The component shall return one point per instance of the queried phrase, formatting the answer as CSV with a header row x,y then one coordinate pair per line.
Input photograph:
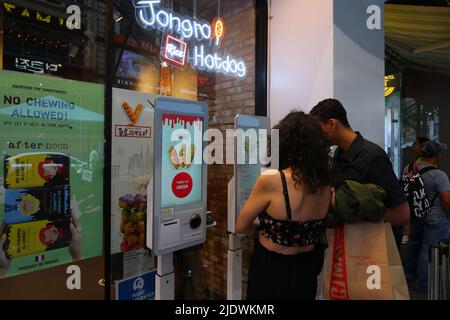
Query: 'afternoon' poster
x,y
51,171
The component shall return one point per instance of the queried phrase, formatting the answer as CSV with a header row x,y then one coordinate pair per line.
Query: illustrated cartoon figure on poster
x,y
36,170
48,169
52,172
28,205
54,235
32,204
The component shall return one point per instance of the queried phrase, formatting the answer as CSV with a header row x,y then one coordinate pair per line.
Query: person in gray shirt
x,y
435,226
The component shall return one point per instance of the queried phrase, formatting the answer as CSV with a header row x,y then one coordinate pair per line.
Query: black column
x,y
261,35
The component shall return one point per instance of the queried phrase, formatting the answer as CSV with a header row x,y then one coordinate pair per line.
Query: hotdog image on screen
x,y
173,154
181,159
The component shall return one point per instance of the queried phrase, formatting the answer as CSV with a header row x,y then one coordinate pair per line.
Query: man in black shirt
x,y
360,160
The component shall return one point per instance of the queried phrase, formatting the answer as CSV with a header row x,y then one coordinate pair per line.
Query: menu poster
x,y
51,172
181,160
132,165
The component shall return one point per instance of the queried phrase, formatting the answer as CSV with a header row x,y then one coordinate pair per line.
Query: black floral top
x,y
290,233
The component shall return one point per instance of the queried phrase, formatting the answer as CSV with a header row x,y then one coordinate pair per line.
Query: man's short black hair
x,y
422,140
330,109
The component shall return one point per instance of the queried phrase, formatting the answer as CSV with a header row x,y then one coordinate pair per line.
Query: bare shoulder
x,y
268,180
270,172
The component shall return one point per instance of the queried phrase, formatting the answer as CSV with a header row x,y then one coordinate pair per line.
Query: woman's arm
x,y
256,203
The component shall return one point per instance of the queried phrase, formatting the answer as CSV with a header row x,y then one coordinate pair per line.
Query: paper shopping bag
x,y
357,264
398,280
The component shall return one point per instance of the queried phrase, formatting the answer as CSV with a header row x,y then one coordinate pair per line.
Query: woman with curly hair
x,y
291,205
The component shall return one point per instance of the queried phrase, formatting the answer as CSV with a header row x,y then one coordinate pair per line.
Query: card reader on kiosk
x,y
177,207
239,189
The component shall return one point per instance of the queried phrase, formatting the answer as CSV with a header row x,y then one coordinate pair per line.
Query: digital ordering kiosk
x,y
247,169
177,203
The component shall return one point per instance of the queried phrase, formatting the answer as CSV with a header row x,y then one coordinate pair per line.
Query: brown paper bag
x,y
398,280
362,263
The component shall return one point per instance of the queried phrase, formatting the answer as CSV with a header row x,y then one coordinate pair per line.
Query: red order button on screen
x,y
182,185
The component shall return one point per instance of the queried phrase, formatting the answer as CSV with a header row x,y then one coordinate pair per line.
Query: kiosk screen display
x,y
181,175
248,171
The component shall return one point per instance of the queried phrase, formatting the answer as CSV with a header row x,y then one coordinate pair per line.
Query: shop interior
x,y
417,78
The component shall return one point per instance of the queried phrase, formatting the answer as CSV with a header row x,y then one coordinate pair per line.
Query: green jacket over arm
x,y
357,202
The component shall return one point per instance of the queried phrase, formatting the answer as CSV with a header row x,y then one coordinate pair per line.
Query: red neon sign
x,y
175,51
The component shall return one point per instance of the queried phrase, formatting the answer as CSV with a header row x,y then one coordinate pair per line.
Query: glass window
x,y
52,148
55,61
198,50
422,110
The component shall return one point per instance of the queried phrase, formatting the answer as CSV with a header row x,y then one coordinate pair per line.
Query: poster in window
x,y
132,167
51,172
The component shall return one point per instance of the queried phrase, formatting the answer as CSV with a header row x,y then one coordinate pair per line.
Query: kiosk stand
x,y
165,278
176,216
234,263
239,189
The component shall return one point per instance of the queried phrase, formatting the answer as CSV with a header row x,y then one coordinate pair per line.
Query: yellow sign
x,y
25,13
33,14
9,7
27,238
36,170
389,85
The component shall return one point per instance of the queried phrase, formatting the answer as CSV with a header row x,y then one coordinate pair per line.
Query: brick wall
x,y
228,96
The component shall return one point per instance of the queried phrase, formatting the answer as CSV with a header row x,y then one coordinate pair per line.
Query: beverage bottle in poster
x,y
165,81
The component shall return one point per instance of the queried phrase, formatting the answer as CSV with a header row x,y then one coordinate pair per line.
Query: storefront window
x,y
41,37
197,50
52,148
392,92
421,111
73,70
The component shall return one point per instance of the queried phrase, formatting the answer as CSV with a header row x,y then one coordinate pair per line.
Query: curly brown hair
x,y
304,148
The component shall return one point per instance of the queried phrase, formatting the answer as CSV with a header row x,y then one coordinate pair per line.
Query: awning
x,y
420,34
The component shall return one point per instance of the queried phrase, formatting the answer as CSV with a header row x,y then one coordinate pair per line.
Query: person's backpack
x,y
414,188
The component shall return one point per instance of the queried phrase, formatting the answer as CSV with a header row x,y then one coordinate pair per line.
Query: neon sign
x,y
150,15
35,66
218,29
217,63
175,51
389,85
164,20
